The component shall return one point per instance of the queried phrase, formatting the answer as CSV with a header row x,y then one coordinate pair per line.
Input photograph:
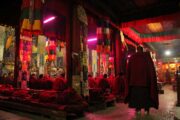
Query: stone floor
x,y
167,111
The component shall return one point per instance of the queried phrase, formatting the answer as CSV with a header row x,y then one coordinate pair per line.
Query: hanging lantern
x,y
106,38
103,37
99,33
51,51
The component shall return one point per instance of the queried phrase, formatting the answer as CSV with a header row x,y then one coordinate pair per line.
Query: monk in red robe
x,y
60,83
141,86
104,84
91,82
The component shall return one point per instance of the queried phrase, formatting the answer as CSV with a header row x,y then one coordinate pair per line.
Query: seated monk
x,y
33,81
91,82
104,84
60,83
111,81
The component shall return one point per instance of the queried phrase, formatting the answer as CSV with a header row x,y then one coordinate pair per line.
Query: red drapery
x,y
134,36
150,20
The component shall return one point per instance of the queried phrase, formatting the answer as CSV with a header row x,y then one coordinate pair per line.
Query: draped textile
x,y
104,84
92,83
137,70
31,16
41,44
141,72
2,40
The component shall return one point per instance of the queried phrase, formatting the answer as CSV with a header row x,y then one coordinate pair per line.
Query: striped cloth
x,y
31,16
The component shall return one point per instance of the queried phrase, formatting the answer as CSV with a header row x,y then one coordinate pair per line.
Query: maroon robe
x,y
59,84
141,72
104,84
92,82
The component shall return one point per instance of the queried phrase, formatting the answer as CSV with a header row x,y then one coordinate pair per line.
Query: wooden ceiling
x,y
10,12
128,10
119,12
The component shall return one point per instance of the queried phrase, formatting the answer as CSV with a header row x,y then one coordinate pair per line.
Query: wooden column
x,y
76,53
69,46
16,66
118,52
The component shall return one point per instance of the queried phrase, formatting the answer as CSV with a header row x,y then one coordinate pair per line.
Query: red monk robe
x,y
141,84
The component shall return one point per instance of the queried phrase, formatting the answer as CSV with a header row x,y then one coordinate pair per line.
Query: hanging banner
x,y
81,13
94,62
123,40
80,81
103,37
2,38
41,44
25,48
84,61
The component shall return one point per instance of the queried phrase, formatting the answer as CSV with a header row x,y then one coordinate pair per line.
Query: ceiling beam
x,y
161,8
98,15
104,9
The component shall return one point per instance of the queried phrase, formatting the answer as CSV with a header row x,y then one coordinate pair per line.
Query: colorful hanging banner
x,y
81,13
94,62
41,44
103,37
123,40
31,16
2,38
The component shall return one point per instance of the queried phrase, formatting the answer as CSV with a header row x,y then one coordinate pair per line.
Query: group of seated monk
x,y
111,84
45,82
7,78
101,83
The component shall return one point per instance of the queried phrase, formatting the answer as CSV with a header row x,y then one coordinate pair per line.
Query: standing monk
x,y
178,85
141,86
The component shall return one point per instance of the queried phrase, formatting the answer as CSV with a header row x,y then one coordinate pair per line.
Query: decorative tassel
x,y
37,25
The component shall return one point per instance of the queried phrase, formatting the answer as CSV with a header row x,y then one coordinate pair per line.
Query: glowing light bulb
x,y
167,53
49,19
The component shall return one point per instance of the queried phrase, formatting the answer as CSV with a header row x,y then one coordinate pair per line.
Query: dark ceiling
x,y
128,10
119,12
10,12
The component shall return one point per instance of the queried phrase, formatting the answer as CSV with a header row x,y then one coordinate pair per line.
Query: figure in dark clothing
x,y
168,76
24,80
177,76
60,83
10,78
41,76
178,85
141,86
91,82
33,81
104,84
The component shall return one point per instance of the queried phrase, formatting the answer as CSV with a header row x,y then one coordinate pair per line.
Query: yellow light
x,y
172,65
155,27
167,66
